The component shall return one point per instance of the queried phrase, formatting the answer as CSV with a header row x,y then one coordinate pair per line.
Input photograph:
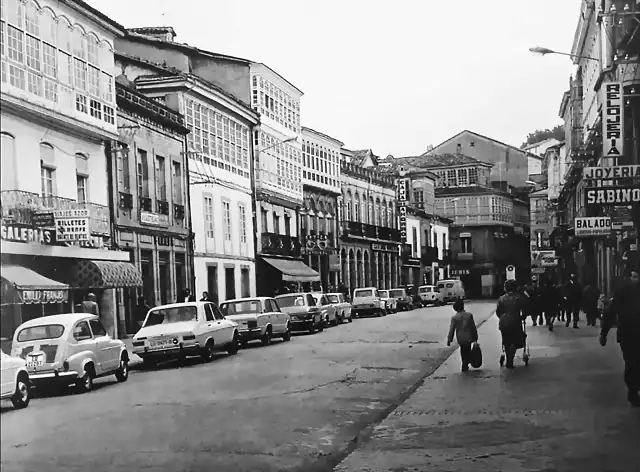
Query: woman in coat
x,y
509,312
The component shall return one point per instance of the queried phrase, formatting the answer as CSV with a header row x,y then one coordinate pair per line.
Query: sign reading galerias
x,y
612,119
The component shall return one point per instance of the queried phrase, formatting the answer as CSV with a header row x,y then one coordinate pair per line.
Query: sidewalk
x,y
134,360
566,412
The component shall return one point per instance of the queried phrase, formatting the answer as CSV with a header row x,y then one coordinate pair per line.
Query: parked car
x,y
403,299
367,301
257,318
390,303
343,307
303,311
179,330
451,290
71,348
329,312
430,295
14,381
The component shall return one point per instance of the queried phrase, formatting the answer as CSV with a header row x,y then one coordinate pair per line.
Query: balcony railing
x,y
280,244
20,206
317,241
364,230
429,254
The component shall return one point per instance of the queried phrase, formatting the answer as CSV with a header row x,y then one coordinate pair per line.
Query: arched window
x,y
356,208
371,222
377,221
391,215
383,221
82,177
9,167
348,204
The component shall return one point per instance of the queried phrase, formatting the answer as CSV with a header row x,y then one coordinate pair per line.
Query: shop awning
x,y
293,270
104,274
30,287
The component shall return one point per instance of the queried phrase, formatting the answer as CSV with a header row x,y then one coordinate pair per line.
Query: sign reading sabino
x,y
612,196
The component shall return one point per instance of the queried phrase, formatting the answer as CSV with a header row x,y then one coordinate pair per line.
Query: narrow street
x,y
291,406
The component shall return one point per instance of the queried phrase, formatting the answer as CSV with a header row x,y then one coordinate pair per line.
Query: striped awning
x,y
104,274
293,270
30,287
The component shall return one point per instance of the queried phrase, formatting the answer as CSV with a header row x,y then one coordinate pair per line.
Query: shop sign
x,y
154,219
384,247
72,225
612,119
164,240
334,263
403,190
611,173
22,233
94,242
459,272
544,259
412,261
44,296
627,195
43,220
592,226
538,270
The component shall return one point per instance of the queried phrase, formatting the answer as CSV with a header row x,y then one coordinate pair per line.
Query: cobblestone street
x,y
566,412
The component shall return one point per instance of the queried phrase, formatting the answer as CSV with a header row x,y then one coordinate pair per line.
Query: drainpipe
x,y
110,149
187,216
254,207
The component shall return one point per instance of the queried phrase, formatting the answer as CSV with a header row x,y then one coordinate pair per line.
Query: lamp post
x,y
544,51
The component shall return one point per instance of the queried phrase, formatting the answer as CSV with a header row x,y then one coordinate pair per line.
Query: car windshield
x,y
384,293
333,298
398,292
171,315
364,293
425,289
241,308
34,333
294,300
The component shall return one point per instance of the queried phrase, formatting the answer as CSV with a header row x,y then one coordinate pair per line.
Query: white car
x,y
14,381
257,318
390,303
70,348
367,301
430,295
185,329
343,307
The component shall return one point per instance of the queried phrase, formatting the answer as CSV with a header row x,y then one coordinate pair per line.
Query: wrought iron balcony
x,y
20,206
364,230
429,254
280,244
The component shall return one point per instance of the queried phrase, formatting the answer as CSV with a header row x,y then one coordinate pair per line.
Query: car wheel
x,y
287,335
207,352
122,374
85,383
22,396
321,327
234,345
266,338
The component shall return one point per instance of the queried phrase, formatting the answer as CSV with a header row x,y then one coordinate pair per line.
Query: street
x,y
297,406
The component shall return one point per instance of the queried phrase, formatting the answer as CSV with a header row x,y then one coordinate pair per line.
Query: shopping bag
x,y
476,356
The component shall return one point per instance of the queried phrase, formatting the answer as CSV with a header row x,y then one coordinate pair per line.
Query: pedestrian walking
x,y
205,297
550,300
89,305
625,310
464,328
141,312
590,296
509,312
563,307
186,296
573,295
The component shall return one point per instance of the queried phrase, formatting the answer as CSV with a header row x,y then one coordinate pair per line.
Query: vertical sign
x,y
403,189
612,120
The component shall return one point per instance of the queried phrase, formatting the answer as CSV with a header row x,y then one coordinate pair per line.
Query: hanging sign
x,y
611,173
403,190
22,233
612,119
72,225
628,195
592,226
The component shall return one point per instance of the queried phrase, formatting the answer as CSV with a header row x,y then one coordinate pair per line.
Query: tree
x,y
541,134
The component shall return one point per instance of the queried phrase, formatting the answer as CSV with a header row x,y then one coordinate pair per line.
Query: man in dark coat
x,y
625,309
590,296
550,299
573,294
509,312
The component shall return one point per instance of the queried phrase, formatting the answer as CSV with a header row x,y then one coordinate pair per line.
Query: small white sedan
x,y
14,381
257,318
185,329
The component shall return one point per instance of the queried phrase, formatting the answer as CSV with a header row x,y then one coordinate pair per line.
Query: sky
x,y
391,76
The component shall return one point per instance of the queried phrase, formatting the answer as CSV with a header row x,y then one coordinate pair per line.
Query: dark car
x,y
303,311
404,300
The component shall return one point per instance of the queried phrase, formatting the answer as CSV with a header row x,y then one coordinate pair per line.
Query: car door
x,y
208,327
224,327
83,341
270,316
264,317
7,375
282,317
106,352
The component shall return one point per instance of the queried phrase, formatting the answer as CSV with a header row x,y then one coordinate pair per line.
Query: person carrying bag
x,y
464,328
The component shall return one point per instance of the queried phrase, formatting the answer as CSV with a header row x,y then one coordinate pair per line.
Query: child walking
x,y
464,328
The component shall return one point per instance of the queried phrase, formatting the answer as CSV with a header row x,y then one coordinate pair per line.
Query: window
x,y
82,332
451,178
462,177
33,53
94,81
208,312
15,44
143,174
65,68
124,183
465,245
226,214
34,82
109,115
473,176
263,220
98,328
81,103
177,183
208,216
47,176
92,51
80,74
414,241
276,223
81,186
243,224
287,225
95,108
50,90
161,179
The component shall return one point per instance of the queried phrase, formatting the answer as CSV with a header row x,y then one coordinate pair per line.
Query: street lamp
x,y
544,51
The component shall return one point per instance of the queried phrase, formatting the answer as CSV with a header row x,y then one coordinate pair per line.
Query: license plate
x,y
162,343
34,362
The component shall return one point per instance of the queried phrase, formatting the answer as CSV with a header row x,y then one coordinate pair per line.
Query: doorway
x,y
212,282
165,277
230,282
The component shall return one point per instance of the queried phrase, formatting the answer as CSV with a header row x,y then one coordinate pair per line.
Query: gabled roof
x,y
325,136
481,136
263,64
437,160
538,143
361,155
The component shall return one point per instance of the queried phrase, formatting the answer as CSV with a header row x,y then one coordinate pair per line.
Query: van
x,y
451,290
367,301
430,295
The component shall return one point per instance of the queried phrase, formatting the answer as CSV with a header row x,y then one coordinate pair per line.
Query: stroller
x,y
526,354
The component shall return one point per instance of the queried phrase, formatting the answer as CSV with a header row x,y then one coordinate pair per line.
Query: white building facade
x,y
58,112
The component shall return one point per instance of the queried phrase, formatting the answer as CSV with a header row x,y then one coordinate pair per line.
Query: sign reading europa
x,y
612,196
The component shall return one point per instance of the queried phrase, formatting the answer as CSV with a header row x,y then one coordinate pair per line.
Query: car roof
x,y
366,288
65,319
173,305
397,288
426,286
247,299
333,293
296,294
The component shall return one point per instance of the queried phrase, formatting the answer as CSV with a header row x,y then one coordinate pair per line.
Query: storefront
x,y
287,275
